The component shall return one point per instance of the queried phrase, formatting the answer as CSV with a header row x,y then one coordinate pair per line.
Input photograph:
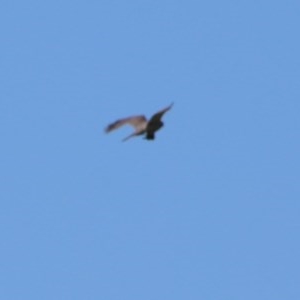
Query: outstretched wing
x,y
138,122
136,133
156,117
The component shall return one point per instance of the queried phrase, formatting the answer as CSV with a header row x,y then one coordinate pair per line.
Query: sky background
x,y
209,210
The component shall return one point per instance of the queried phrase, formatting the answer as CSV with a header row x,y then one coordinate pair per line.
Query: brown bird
x,y
141,125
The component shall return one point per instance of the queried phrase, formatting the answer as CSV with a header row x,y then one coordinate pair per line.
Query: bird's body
x,y
152,128
141,125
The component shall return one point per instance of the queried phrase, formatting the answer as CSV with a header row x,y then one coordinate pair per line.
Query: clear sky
x,y
209,210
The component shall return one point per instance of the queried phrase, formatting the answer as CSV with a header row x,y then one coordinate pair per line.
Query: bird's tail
x,y
150,136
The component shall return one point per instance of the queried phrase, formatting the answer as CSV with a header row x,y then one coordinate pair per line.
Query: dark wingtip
x,y
171,105
109,128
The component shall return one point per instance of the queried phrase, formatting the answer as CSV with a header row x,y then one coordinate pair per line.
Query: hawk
x,y
141,125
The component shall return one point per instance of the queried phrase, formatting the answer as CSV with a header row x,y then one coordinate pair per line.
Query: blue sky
x,y
209,210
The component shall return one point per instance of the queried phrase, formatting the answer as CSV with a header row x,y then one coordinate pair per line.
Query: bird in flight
x,y
141,125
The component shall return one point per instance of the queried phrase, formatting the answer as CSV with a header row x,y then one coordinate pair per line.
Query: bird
x,y
141,125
